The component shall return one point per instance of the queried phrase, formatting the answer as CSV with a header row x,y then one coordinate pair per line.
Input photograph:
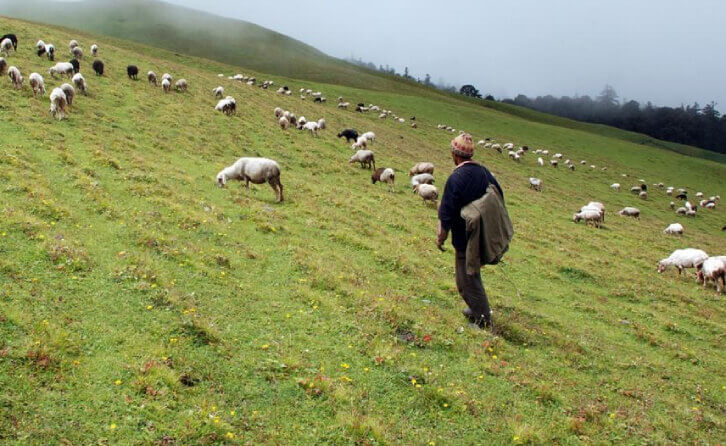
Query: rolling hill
x,y
142,304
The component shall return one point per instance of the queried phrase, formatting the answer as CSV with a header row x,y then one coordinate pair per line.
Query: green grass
x,y
141,304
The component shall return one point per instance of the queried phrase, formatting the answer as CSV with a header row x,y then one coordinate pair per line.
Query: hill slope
x,y
142,304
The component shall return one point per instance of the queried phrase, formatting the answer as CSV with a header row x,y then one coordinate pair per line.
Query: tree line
x,y
688,124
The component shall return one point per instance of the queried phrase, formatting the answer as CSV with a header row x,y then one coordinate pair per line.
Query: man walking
x,y
468,182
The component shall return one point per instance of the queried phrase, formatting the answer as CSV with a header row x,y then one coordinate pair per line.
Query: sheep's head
x,y
221,179
662,266
576,217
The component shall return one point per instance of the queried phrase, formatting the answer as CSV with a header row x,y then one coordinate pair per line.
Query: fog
x,y
666,51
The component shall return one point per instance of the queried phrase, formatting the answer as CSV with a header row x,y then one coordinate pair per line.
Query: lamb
x,y
94,50
365,158
219,93
535,183
254,170
312,126
6,45
228,105
590,215
615,186
630,212
98,67
422,178
370,136
133,72
713,268
321,124
166,85
37,84
58,103
181,85
61,68
674,229
682,259
3,66
70,93
422,167
361,142
427,192
540,161
384,175
284,123
151,76
77,53
15,77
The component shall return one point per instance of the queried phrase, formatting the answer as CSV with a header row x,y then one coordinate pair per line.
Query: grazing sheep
x,y
321,124
228,105
284,123
508,146
710,205
181,85
360,143
72,44
349,135
497,147
98,67
681,210
540,161
166,85
77,53
365,158
13,38
682,258
630,212
40,46
94,50
278,111
80,82
427,192
535,183
253,170
70,93
76,65
384,175
571,167
15,77
37,84
583,162
3,66
674,229
151,76
167,76
58,103
682,196
422,178
643,195
370,136
422,167
672,205
635,190
343,105
312,126
219,93
699,194
691,213
713,269
596,205
50,51
589,215
554,163
615,186
6,45
301,121
61,68
133,72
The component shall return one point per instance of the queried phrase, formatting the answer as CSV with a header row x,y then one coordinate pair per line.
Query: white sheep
x,y
80,82
540,161
360,143
615,187
713,269
94,50
682,259
643,195
674,229
228,105
422,167
40,46
50,51
591,215
151,76
77,53
15,77
58,103
166,85
629,211
554,163
422,178
384,175
3,66
70,93
322,124
284,123
681,210
6,46
369,136
72,44
253,170
181,85
365,158
597,205
343,105
61,68
312,126
427,192
535,183
219,93
508,146
37,84
699,194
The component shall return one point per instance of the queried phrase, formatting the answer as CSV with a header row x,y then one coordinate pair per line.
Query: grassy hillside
x,y
142,304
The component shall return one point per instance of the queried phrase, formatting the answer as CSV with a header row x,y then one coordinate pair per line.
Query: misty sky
x,y
666,51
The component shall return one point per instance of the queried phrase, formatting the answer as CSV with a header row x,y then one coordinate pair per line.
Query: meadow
x,y
142,304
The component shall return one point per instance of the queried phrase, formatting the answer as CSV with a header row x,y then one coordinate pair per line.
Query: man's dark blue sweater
x,y
467,183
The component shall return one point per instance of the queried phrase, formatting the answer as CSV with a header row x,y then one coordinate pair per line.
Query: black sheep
x,y
682,197
13,38
76,65
360,104
349,135
318,100
133,72
644,187
98,67
41,51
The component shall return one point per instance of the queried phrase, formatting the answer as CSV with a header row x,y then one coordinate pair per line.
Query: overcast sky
x,y
666,51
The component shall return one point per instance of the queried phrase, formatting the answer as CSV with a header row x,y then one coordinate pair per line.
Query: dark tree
x,y
469,90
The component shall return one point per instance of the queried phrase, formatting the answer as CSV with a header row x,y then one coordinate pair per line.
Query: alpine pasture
x,y
142,304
